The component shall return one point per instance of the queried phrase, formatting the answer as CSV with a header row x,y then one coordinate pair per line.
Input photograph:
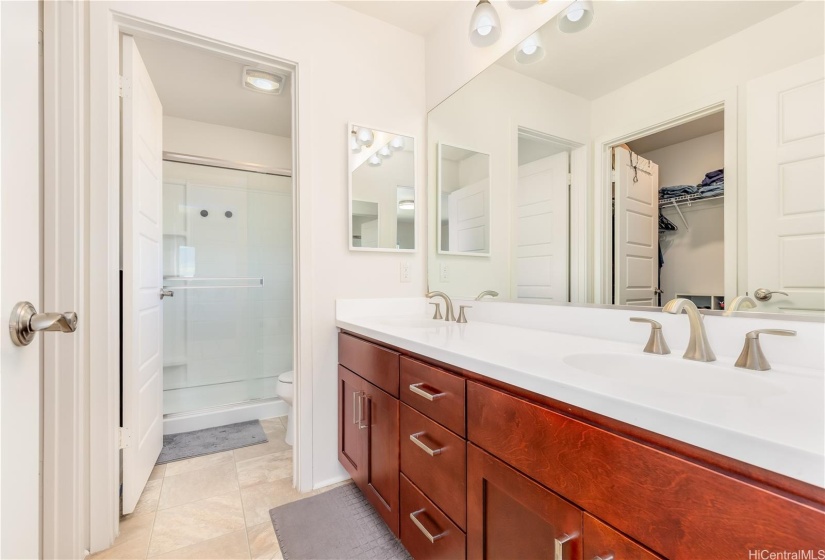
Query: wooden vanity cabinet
x,y
527,478
368,424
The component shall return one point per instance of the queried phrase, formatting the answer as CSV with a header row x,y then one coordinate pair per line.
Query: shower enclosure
x,y
227,258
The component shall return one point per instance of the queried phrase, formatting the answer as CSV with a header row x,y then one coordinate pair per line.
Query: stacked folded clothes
x,y
712,185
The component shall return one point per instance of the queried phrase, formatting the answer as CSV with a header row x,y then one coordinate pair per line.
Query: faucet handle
x,y
437,314
461,317
656,344
752,356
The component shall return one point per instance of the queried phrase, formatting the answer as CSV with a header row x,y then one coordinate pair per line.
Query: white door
x,y
786,187
469,218
635,229
20,238
142,275
542,229
369,234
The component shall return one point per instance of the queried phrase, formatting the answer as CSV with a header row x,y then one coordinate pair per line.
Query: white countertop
x,y
779,427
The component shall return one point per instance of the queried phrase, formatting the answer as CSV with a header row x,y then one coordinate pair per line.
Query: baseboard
x,y
331,481
222,416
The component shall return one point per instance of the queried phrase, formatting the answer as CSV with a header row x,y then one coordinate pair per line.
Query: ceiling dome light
x,y
485,27
374,161
406,205
397,143
364,136
385,152
577,16
530,50
262,81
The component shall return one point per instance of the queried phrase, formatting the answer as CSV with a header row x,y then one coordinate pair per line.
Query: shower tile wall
x,y
222,344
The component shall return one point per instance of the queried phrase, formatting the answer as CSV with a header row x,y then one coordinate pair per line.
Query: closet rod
x,y
225,164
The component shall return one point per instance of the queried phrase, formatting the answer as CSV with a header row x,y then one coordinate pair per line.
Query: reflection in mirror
x,y
382,190
668,149
464,201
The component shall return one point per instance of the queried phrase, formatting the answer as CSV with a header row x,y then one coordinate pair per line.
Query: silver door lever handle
x,y
25,321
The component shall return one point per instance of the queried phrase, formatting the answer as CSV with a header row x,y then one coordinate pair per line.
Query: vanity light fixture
x,y
262,81
363,136
385,152
577,16
485,27
406,205
397,143
354,145
530,50
374,161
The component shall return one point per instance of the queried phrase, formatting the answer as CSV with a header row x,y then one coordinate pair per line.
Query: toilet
x,y
285,393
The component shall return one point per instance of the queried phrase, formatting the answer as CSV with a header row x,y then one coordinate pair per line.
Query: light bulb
x,y
385,152
575,15
374,161
529,49
364,136
484,27
397,143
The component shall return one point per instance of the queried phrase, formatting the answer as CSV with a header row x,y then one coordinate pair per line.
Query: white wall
x,y
323,38
695,258
484,116
452,60
195,138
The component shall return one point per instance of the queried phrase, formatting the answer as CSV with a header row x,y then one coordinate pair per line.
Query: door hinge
x,y
613,175
569,179
124,438
124,86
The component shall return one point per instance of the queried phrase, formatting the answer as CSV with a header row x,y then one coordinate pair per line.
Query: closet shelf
x,y
687,198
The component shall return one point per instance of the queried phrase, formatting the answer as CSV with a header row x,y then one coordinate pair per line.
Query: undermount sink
x,y
676,375
413,323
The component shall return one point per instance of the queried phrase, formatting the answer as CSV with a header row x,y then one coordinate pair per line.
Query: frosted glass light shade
x,y
385,152
530,50
397,143
485,27
374,161
364,136
576,16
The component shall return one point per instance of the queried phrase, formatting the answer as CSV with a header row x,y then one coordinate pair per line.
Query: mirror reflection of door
x,y
464,194
364,224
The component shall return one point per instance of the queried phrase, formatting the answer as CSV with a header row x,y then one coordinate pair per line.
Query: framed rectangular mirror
x,y
382,190
668,177
463,201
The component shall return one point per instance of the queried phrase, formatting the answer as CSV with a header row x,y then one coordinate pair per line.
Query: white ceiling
x,y
630,39
202,86
416,16
682,133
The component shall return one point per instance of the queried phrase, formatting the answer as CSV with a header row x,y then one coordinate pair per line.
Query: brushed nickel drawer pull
x,y
430,537
355,403
416,388
608,557
431,452
362,396
560,547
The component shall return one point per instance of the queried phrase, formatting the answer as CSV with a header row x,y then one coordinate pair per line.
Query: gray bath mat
x,y
211,440
337,525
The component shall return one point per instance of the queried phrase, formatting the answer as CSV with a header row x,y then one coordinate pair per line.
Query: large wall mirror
x,y
668,149
463,201
381,190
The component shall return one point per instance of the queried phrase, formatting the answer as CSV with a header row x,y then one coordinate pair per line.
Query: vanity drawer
x,y
377,365
680,509
445,540
434,393
600,541
442,476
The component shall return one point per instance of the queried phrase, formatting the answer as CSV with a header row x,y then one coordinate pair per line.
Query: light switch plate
x,y
443,272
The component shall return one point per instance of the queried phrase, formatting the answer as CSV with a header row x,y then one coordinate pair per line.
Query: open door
x,y
142,389
635,229
786,188
21,234
542,229
469,215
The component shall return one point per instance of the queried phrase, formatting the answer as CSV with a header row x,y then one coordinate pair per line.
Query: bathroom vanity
x,y
460,463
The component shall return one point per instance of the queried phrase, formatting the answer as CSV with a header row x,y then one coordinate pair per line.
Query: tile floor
x,y
215,506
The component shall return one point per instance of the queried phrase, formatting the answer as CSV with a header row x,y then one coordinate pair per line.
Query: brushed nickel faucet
x,y
656,344
449,315
752,356
482,295
740,303
698,347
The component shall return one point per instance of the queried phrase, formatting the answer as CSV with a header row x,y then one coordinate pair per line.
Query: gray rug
x,y
211,440
337,525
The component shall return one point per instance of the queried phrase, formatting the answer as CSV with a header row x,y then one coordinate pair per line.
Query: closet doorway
x,y
668,218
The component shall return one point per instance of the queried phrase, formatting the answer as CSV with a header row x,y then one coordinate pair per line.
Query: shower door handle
x,y
166,293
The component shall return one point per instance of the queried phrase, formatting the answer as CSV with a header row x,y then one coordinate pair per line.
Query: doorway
x,y
207,245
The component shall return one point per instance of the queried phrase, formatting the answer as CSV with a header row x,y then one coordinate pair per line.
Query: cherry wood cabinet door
x,y
351,416
510,516
601,541
382,456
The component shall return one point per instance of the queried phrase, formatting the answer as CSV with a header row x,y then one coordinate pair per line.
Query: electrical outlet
x,y
405,271
443,272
